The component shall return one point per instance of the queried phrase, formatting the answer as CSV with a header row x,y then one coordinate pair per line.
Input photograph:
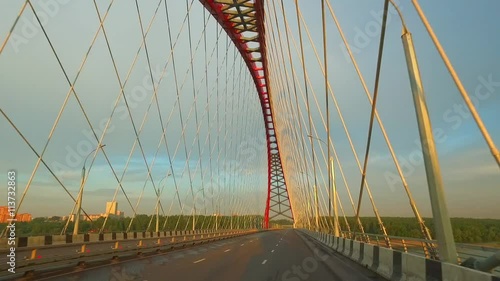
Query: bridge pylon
x,y
243,22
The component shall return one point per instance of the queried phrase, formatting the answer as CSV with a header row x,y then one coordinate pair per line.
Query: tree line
x,y
465,230
54,225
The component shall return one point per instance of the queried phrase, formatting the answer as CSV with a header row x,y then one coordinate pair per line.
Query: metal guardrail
x,y
79,253
48,240
421,246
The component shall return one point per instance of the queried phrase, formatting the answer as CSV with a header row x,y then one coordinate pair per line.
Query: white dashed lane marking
x,y
264,262
199,261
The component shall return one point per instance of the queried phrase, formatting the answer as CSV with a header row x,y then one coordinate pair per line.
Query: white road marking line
x,y
227,250
272,251
199,261
276,245
242,244
264,262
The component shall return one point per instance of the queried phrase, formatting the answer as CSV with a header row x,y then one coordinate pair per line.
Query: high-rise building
x,y
111,207
5,215
94,217
23,217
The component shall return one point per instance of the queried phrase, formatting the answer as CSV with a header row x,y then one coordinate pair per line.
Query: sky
x,y
33,89
470,175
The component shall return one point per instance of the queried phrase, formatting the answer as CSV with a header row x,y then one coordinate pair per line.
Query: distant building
x,y
73,216
5,215
111,207
94,217
23,217
112,210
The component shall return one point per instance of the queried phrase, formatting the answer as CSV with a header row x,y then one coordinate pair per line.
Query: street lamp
x,y
80,194
217,213
331,179
158,203
316,206
194,206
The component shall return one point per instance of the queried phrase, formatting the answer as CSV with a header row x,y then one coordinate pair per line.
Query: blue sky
x,y
469,172
32,89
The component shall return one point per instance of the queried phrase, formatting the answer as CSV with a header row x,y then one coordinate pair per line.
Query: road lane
x,y
285,255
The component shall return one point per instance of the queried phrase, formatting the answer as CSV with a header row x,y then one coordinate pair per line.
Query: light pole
x,y
158,203
331,187
80,194
329,178
194,207
336,227
305,193
316,206
217,212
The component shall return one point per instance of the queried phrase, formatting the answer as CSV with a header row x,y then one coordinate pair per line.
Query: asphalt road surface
x,y
285,255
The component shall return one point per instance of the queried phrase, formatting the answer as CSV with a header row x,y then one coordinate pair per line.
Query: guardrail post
x,y
48,240
404,245
22,242
33,254
69,238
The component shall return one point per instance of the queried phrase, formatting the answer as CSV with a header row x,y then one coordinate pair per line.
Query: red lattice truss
x,y
243,21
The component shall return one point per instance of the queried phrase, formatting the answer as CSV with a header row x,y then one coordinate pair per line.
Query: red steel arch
x,y
243,21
